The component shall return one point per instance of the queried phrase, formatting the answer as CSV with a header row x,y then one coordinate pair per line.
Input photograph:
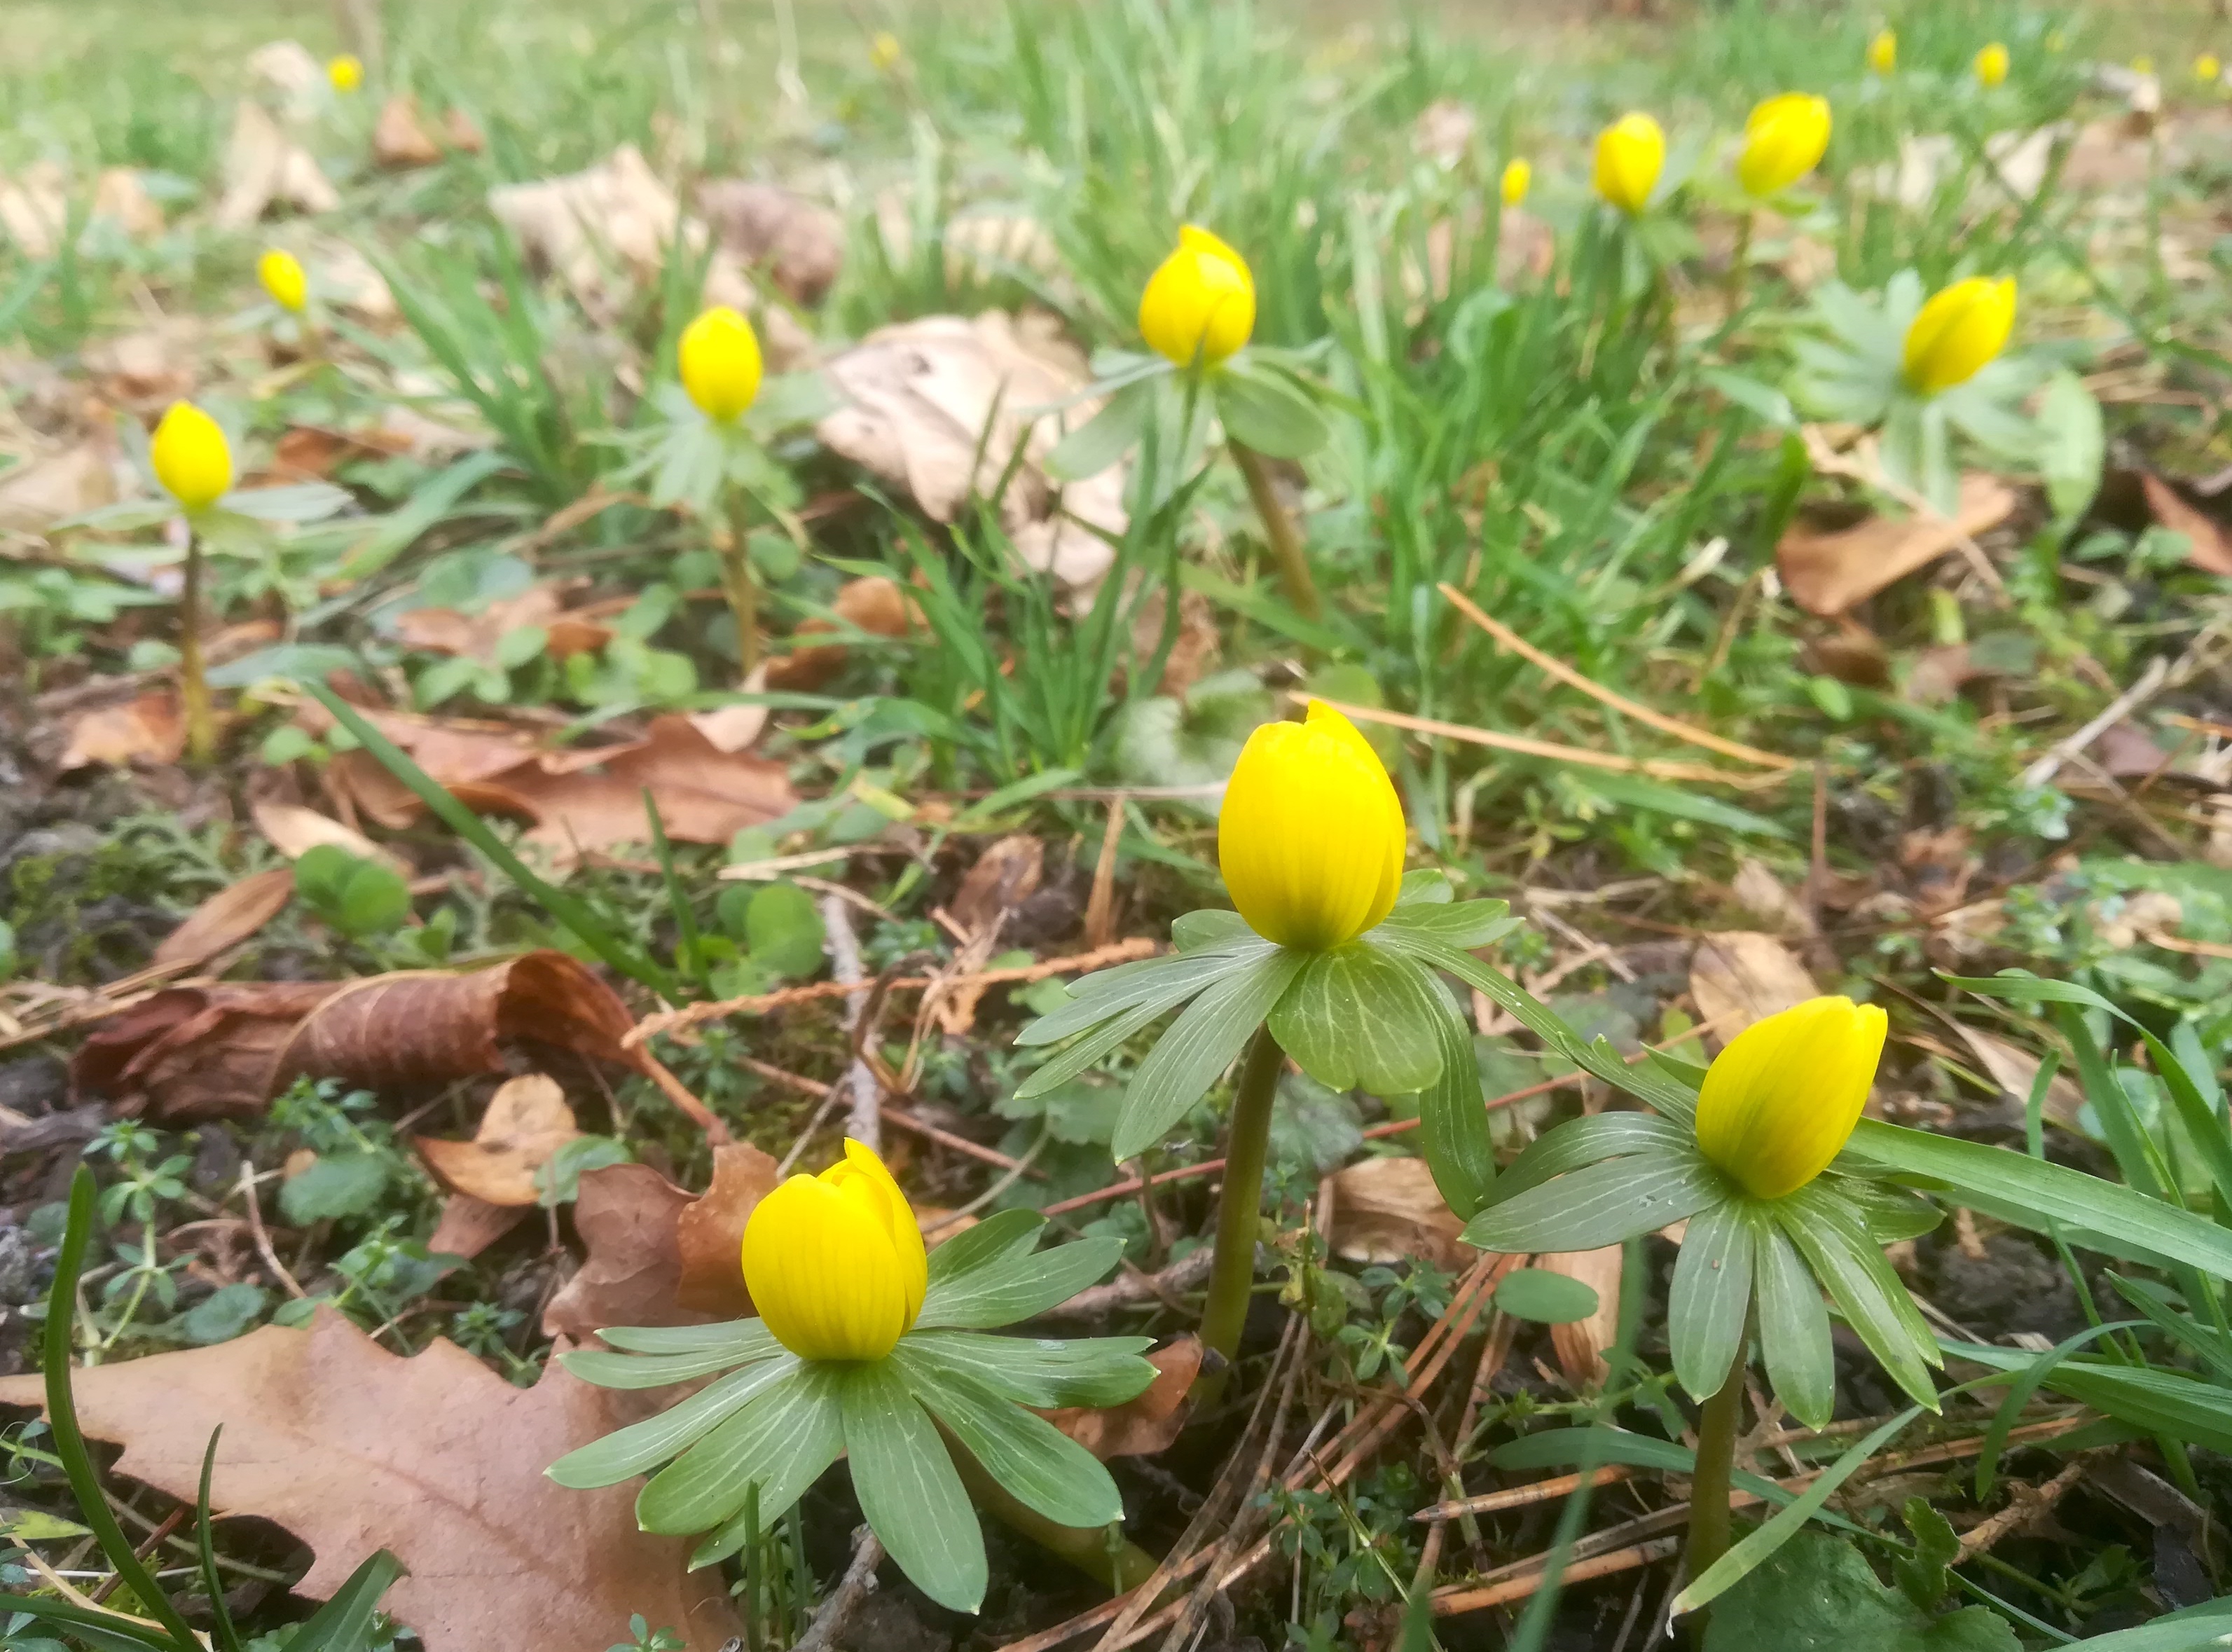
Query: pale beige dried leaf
x,y
1444,132
1388,1211
39,493
800,244
2015,1070
263,167
1146,1424
294,830
1740,976
1581,1345
146,729
526,1124
1005,876
2211,546
285,66
399,142
352,1448
1829,571
228,916
1762,894
735,728
469,1226
937,407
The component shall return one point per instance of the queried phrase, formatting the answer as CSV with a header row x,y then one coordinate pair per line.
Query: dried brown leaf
x,y
228,916
527,1122
147,728
1581,1345
1147,1424
1387,1211
1740,976
445,630
263,165
626,1215
399,139
1830,571
801,245
709,1233
872,604
1005,876
434,1458
294,830
2211,547
469,1226
2015,1070
38,493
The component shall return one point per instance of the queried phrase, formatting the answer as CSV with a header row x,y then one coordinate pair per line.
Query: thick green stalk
x,y
1240,1207
193,686
1285,539
1102,1552
744,594
1708,1490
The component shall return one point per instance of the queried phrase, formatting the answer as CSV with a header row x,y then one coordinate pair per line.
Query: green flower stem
x,y
1708,1490
1232,1271
1279,529
1121,1565
1740,264
742,593
193,687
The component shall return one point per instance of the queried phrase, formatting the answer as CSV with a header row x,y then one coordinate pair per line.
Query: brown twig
x,y
1449,1602
263,1236
1527,746
2026,1504
855,1586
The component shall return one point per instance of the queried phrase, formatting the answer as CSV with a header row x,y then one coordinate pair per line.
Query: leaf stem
x,y
1708,1490
743,594
193,686
1286,541
1232,1273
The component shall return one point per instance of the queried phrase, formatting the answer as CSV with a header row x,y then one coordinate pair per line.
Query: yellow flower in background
x,y
345,73
1992,64
2142,64
1883,51
281,274
1957,332
1783,140
885,51
192,460
719,358
1200,302
1779,1102
1631,153
835,1262
2208,68
1518,176
1311,836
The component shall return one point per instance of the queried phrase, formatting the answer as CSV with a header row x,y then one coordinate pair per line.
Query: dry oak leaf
x,y
1387,1210
800,244
527,1121
263,165
1580,1344
1145,1425
704,795
1828,571
445,630
469,1226
434,1458
871,604
228,916
2211,546
294,830
399,142
939,407
626,1215
221,1052
148,729
1740,976
709,1233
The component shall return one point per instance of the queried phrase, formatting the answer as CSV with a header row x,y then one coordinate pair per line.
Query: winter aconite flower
x,y
1992,65
1200,303
835,1262
1957,332
1518,176
885,51
719,358
1783,140
1883,51
1779,1101
191,459
1311,837
1631,153
2207,68
345,73
281,274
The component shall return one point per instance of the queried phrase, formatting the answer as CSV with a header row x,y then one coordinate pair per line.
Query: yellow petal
x,y
1783,140
719,359
1631,153
1518,176
281,274
1200,303
1883,52
1992,64
861,1165
1781,1099
191,459
1958,332
345,73
824,1274
1311,836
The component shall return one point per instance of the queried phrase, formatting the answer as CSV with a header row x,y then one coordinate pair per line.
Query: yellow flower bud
x,y
1518,176
2142,64
835,1262
192,460
2208,68
1992,64
719,358
885,51
345,73
1957,332
1779,1102
1783,140
1883,51
283,277
1200,303
1631,153
1311,837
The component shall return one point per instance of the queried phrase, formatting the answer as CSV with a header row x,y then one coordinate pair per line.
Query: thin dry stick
x,y
677,1020
1603,1565
1530,748
1620,703
899,1115
2025,1505
1541,1491
1100,906
864,1123
263,1236
857,1584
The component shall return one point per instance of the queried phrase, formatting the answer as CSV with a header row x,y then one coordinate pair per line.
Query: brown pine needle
x,y
1656,767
